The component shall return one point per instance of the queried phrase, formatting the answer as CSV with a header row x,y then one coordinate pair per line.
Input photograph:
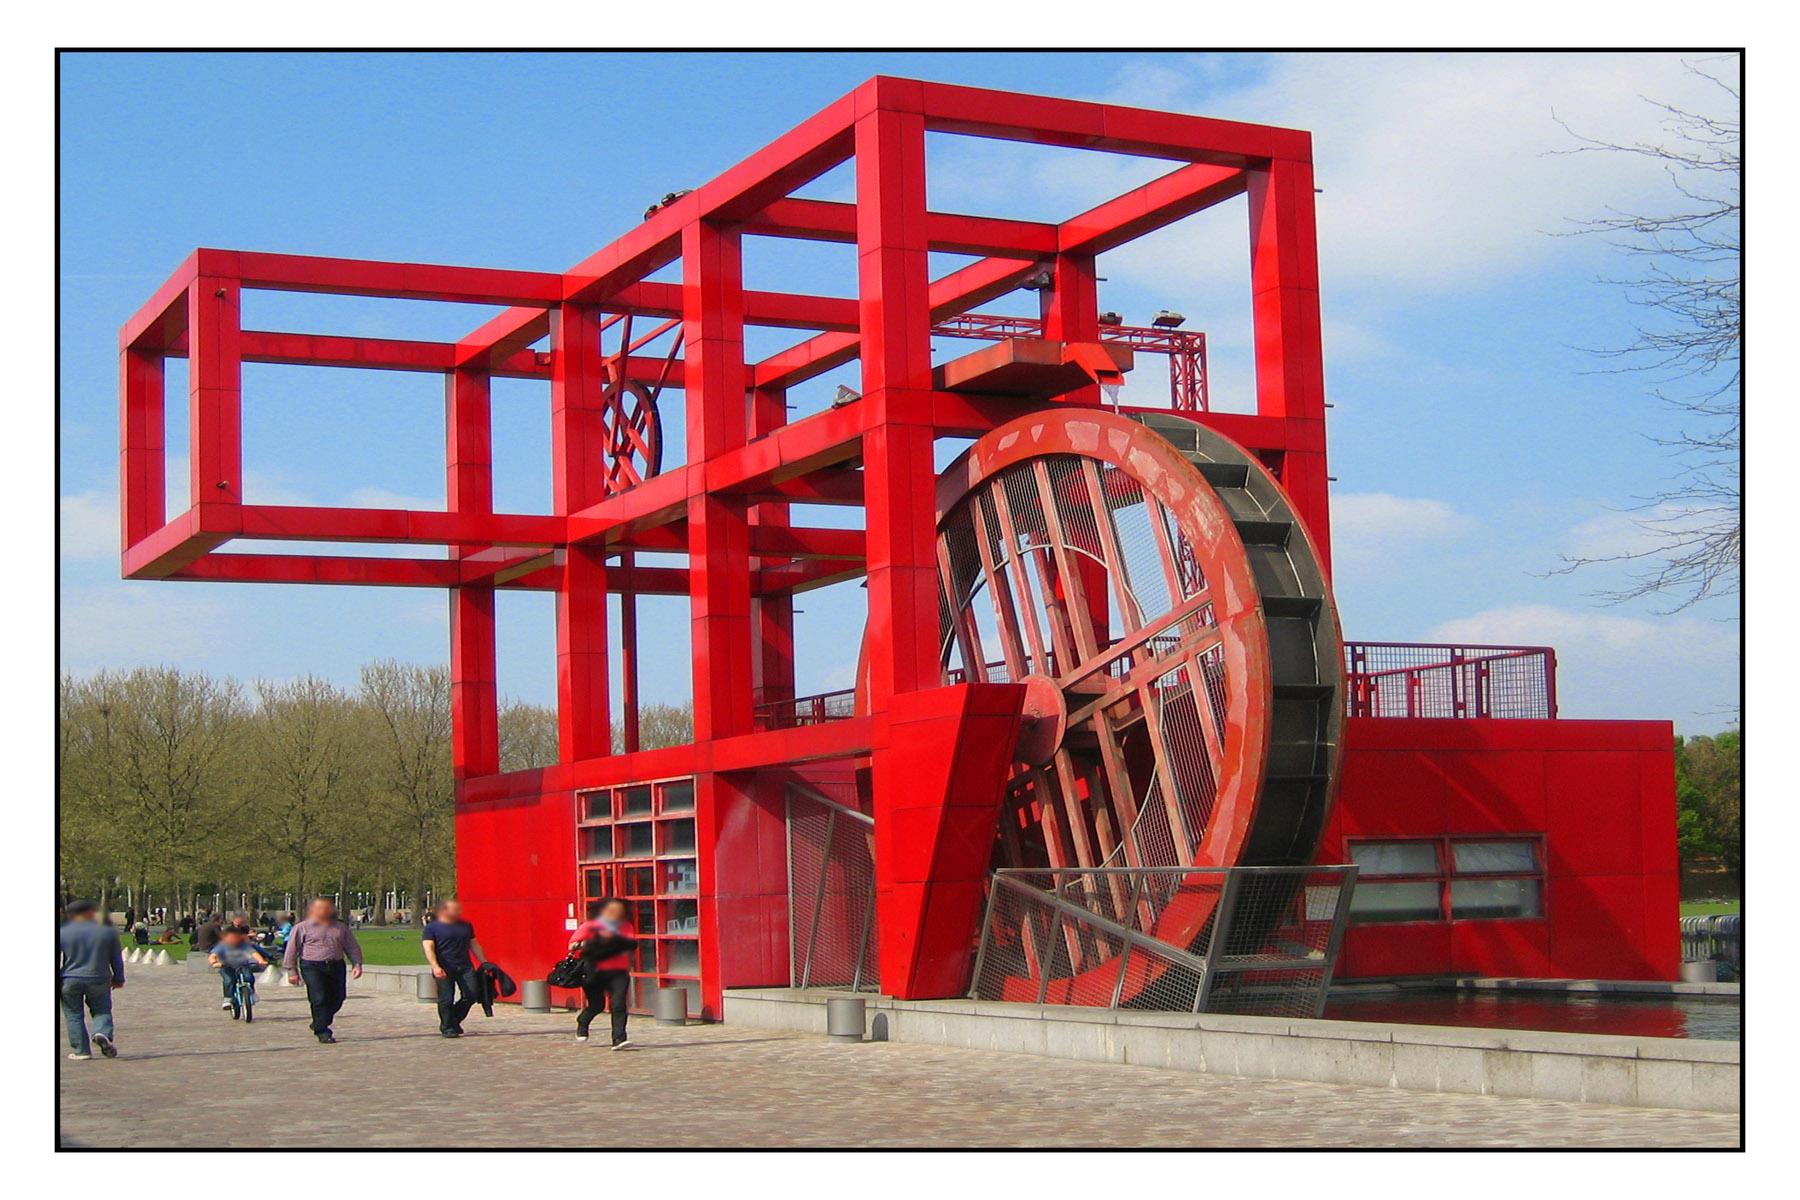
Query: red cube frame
x,y
728,505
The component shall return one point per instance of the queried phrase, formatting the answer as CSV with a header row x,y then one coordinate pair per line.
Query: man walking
x,y
92,966
316,951
450,948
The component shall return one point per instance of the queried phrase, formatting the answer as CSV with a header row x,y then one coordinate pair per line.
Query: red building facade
x,y
696,836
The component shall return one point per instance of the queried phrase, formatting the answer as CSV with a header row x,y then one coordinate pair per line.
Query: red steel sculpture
x,y
1102,637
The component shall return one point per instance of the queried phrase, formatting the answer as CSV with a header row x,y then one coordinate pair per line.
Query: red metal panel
x,y
1395,951
1595,819
1598,929
1493,791
1501,948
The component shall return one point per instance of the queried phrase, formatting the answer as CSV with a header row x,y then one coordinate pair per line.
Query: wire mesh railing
x,y
800,711
1384,679
1267,941
1407,679
831,894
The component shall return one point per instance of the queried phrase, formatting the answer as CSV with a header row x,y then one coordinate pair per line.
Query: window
x,y
1437,879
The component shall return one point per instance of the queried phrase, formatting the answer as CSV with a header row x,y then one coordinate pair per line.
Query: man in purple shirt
x,y
316,950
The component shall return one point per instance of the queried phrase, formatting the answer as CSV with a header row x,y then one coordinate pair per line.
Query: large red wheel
x,y
1148,582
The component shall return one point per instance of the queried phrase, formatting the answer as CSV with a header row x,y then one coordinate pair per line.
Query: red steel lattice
x,y
929,750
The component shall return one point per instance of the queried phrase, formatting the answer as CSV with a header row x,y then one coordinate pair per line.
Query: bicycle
x,y
243,993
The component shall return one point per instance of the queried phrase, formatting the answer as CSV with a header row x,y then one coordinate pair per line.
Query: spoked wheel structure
x,y
633,424
1148,582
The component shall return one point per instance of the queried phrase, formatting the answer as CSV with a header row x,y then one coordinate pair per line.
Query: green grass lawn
x,y
1711,908
382,946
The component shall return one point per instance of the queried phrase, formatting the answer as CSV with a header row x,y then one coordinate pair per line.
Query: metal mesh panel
x,y
1138,543
1392,679
831,895
1267,945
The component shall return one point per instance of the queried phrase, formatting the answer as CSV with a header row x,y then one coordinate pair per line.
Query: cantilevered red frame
x,y
728,505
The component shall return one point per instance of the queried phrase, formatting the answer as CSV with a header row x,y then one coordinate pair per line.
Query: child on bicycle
x,y
237,959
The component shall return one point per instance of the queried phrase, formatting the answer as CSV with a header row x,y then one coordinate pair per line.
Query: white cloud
x,y
1610,665
373,497
1366,526
1441,171
138,624
88,525
1611,633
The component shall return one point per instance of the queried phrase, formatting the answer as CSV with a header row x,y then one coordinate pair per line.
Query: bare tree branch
x,y
1689,286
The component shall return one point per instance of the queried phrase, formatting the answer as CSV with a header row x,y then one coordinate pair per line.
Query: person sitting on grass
x,y
236,956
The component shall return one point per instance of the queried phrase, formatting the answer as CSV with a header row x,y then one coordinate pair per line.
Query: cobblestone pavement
x,y
189,1076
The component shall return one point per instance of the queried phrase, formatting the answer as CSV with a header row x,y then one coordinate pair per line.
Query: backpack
x,y
571,972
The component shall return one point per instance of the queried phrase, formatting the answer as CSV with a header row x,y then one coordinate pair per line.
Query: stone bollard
x,y
534,996
427,987
131,955
163,959
670,1006
273,976
1705,970
845,1018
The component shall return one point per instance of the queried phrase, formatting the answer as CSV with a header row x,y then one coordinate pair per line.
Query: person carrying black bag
x,y
605,943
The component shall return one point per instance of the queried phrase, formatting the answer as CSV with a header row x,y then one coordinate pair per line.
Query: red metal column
x,y
772,616
716,383
1071,312
215,393
899,471
141,449
577,448
934,831
1290,367
469,487
1070,308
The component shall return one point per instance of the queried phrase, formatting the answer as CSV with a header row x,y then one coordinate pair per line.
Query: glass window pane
x,y
1473,899
1395,858
596,806
1375,902
635,841
678,796
1476,858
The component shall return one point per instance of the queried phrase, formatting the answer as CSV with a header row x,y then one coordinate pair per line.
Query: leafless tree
x,y
1687,279
177,738
527,736
308,750
412,709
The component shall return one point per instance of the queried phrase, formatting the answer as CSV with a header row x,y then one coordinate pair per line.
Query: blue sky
x,y
1473,439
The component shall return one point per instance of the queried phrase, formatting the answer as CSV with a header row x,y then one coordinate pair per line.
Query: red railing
x,y
1409,679
1185,348
1385,679
806,710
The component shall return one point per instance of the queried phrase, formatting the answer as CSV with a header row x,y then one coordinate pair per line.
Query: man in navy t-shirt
x,y
453,952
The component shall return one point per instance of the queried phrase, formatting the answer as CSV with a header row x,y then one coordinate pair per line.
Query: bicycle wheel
x,y
249,1005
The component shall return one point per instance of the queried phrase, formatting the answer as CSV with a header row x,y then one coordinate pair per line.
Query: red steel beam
x,y
952,233
1160,202
1012,116
315,524
951,295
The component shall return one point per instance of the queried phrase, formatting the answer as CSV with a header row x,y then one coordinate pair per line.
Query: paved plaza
x,y
189,1076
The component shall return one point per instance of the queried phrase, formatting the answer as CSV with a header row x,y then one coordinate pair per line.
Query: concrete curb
x,y
1598,1069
